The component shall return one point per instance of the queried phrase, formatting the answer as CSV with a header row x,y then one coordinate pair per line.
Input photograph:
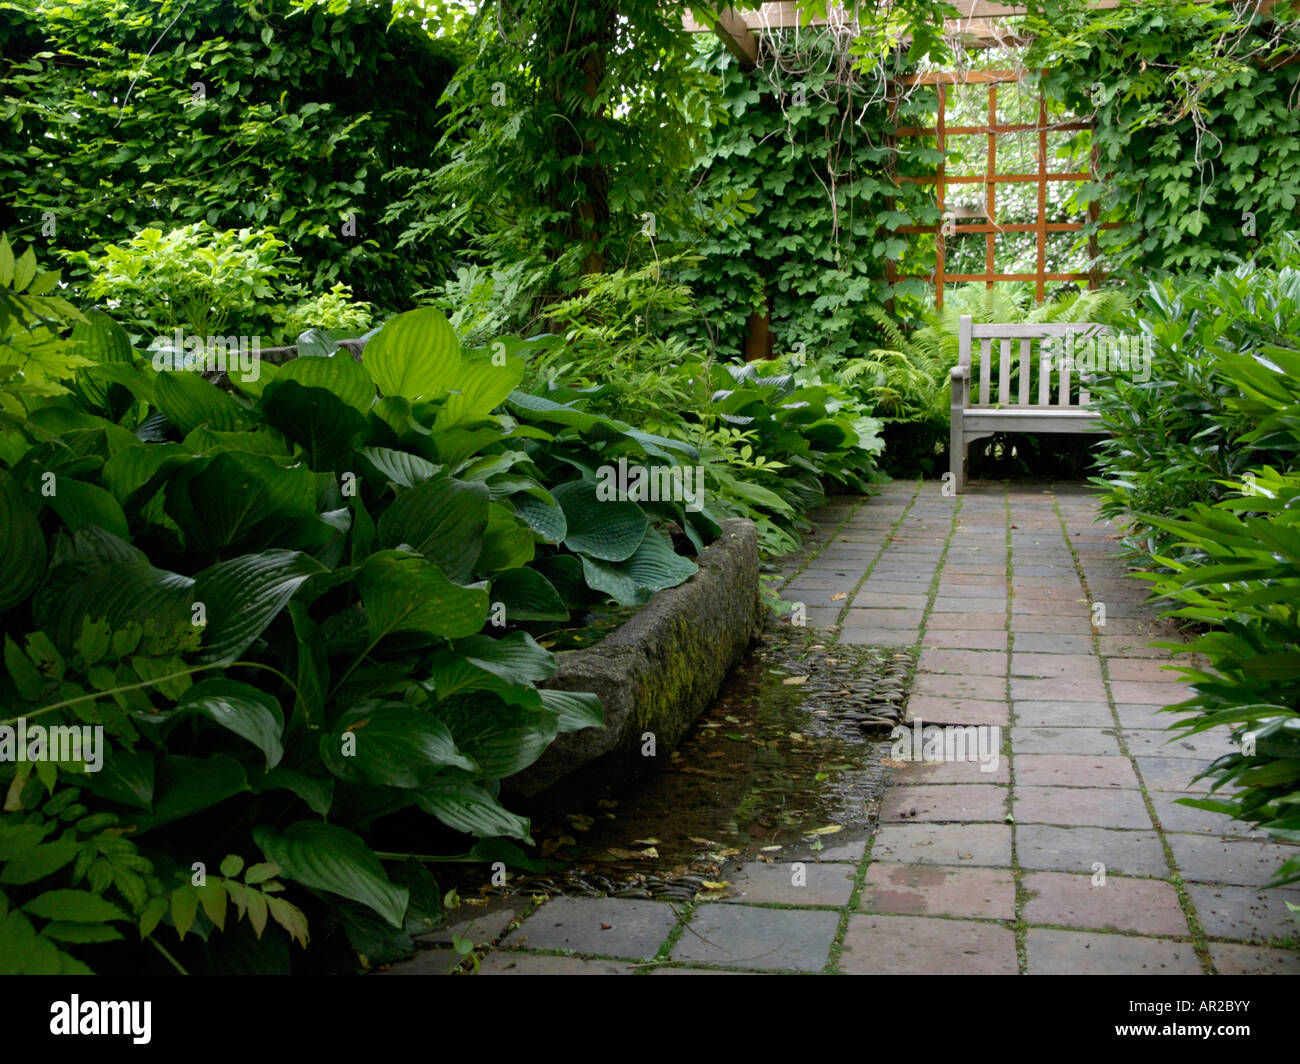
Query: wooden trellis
x,y
992,178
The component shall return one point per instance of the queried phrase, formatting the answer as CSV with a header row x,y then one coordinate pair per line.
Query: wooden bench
x,y
1041,400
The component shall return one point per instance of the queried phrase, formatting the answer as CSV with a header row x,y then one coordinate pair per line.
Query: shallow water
x,y
764,772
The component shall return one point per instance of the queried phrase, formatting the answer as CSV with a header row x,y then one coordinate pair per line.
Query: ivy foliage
x,y
808,151
121,115
1197,129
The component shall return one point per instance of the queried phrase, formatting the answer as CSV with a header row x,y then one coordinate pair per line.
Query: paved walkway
x,y
1067,855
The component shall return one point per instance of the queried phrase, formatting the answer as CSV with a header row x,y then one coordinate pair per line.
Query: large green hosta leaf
x,y
339,374
528,596
242,596
400,467
322,423
480,388
517,658
405,593
325,857
247,499
467,807
249,713
576,709
441,518
502,739
544,518
81,505
22,545
507,542
390,744
653,566
189,401
610,531
415,354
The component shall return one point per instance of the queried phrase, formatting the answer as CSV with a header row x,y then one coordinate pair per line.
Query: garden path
x,y
1069,855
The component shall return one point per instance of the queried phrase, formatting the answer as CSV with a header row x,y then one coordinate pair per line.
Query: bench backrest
x,y
1021,369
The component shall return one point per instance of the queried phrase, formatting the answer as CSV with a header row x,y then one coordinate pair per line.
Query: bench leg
x,y
957,456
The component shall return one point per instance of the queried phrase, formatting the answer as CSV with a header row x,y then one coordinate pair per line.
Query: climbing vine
x,y
1197,127
808,143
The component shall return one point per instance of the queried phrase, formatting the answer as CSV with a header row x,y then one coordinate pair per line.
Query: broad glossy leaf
x,y
576,709
249,713
243,595
323,424
189,401
324,857
480,387
610,531
22,545
400,467
516,658
390,744
528,596
415,354
502,739
441,518
467,807
339,374
405,593
507,542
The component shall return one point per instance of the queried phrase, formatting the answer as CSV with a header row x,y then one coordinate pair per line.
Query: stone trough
x,y
660,670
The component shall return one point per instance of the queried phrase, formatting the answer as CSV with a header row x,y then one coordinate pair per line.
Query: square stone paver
x,y
1132,853
945,844
980,622
929,709
1042,643
967,662
1032,714
949,802
1080,806
746,936
877,637
1144,670
1205,859
1175,817
858,618
1246,913
505,962
915,945
934,890
958,685
1045,740
921,773
614,927
1173,773
1052,952
1047,666
1134,691
1146,906
781,883
1058,689
1071,770
1159,743
963,639
1233,958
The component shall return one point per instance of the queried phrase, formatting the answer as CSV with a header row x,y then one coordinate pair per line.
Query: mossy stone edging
x,y
660,670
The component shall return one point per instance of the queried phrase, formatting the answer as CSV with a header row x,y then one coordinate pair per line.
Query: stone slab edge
x,y
660,670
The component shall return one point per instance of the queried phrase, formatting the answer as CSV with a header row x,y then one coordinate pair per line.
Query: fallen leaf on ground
x,y
839,596
794,681
829,829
